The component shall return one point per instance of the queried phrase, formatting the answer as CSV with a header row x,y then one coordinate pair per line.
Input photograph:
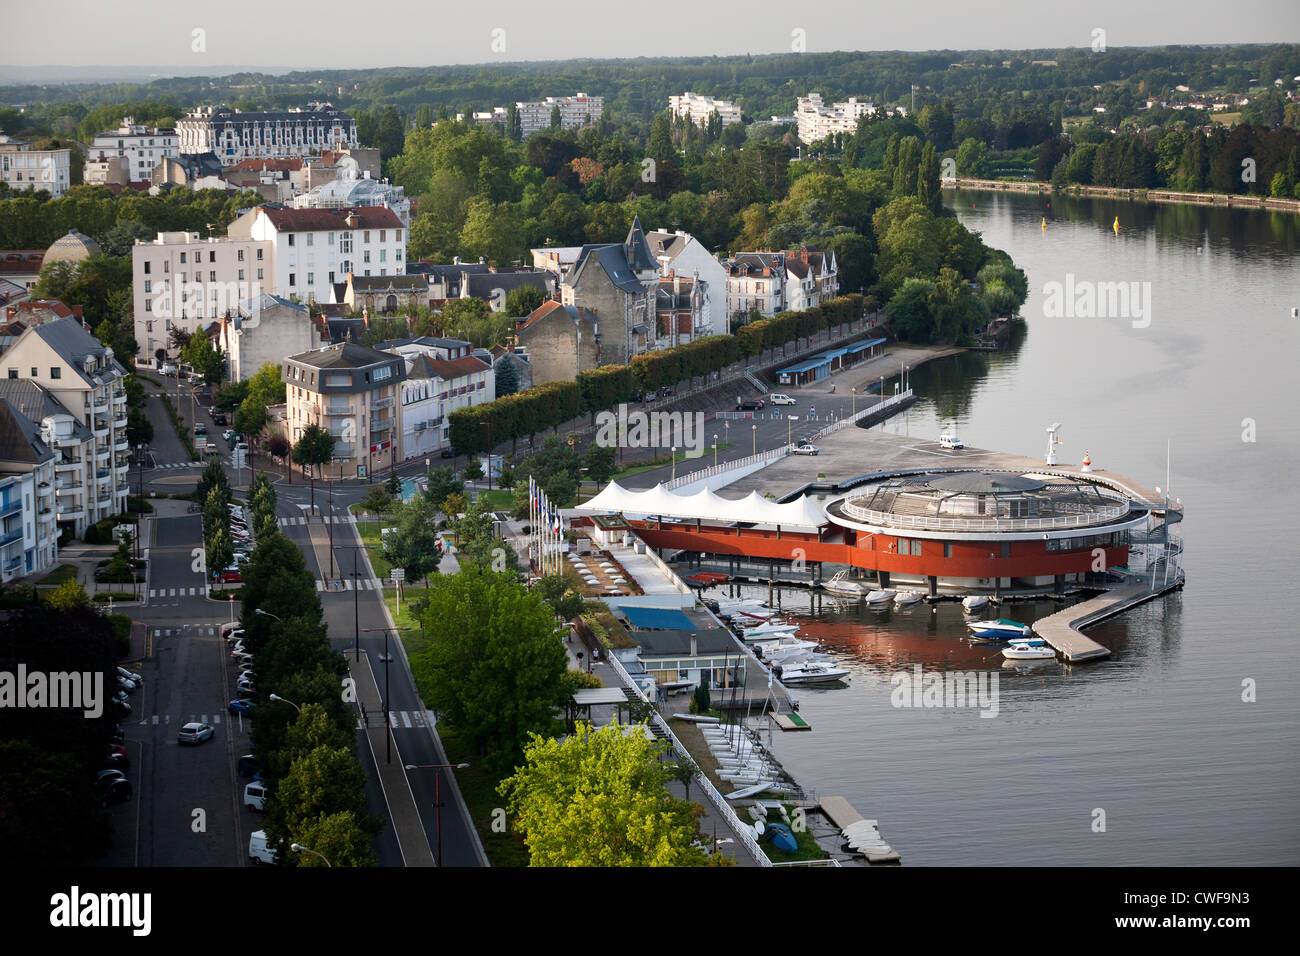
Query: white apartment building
x,y
143,148
700,108
181,280
235,136
264,329
816,120
575,111
682,254
28,534
311,249
442,375
60,375
755,280
25,168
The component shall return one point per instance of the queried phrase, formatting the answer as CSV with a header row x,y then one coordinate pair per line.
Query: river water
x,y
1155,742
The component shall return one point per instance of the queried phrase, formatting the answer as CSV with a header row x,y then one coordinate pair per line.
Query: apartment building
x,y
235,136
28,534
311,249
263,329
23,167
352,392
700,108
619,283
575,112
442,375
142,147
680,253
755,280
816,120
58,375
182,280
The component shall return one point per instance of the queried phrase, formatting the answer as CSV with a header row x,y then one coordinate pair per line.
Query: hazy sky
x,y
256,33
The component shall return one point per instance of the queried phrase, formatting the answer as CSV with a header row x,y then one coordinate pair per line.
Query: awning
x,y
656,618
705,505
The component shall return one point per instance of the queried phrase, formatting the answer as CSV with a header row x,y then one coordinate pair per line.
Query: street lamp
x,y
258,610
299,848
753,429
437,798
283,701
674,454
855,400
715,451
388,720
488,426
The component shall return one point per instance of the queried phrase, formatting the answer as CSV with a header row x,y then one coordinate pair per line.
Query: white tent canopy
x,y
706,505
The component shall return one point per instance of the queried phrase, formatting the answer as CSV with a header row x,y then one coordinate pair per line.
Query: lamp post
x,y
753,430
356,610
437,799
674,454
855,400
388,720
488,426
283,701
789,425
299,848
331,526
258,610
715,451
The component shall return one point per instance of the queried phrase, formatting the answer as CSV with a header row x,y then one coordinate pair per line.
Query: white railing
x,y
900,399
764,457
743,833
928,523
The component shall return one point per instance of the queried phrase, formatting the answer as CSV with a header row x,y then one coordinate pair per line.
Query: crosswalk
x,y
187,630
158,465
347,584
162,720
322,519
402,719
199,591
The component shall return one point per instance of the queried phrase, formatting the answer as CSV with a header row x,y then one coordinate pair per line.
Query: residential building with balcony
x,y
816,120
311,249
699,108
142,147
575,111
680,253
83,416
235,136
23,167
442,375
28,534
352,392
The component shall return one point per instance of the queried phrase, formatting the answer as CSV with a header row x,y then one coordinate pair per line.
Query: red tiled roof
x,y
257,165
21,260
539,313
321,220
50,305
456,368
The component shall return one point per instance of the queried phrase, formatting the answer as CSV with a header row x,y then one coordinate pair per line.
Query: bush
x,y
121,625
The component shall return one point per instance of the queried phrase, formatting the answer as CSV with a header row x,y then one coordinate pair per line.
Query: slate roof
x,y
638,250
35,404
73,344
612,258
20,437
405,283
347,355
426,366
483,285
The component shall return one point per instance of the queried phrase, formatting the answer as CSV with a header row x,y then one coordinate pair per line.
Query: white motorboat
x,y
1022,651
783,643
840,584
810,672
973,602
880,597
904,598
1003,629
768,630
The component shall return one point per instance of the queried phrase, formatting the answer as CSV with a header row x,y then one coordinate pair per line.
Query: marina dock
x,y
1061,630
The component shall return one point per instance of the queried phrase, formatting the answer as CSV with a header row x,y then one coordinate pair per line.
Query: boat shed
x,y
687,655
822,364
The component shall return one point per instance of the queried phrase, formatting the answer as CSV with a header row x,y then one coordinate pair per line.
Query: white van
x,y
255,798
777,398
950,441
258,851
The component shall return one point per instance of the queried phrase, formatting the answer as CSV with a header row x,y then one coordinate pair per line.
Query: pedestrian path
x,y
164,720
404,719
323,519
347,584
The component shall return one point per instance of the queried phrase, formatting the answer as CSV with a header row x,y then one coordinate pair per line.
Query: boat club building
x,y
950,530
820,366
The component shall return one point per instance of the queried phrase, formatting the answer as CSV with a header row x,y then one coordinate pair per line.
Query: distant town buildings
x,y
140,146
680,253
699,108
773,282
23,167
575,111
235,136
816,120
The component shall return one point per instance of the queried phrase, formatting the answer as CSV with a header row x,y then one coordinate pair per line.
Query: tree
x,y
139,430
473,470
205,357
313,449
390,137
477,543
507,375
340,838
379,500
600,798
523,300
68,595
412,543
562,593
493,664
220,552
599,460
441,483
212,476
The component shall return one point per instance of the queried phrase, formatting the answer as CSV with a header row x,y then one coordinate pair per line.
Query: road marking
x,y
320,585
155,720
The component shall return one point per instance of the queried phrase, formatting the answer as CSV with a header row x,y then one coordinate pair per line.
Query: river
x,y
1150,756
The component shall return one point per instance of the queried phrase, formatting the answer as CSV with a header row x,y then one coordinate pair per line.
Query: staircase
x,y
755,380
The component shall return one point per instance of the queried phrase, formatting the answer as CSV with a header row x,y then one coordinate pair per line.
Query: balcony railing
x,y
378,424
378,403
1100,516
337,410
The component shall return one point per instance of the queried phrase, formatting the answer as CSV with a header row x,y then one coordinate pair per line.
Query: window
x,y
13,373
167,267
241,255
383,233
331,239
212,276
212,255
241,275
1006,549
259,255
397,253
147,269
290,240
365,235
331,278
34,372
259,275
311,278
148,326
148,285
148,305
182,257
947,549
293,279
365,257
310,237
383,255
56,373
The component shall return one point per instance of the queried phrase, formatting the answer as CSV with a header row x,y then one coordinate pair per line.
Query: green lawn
x,y
64,572
479,788
498,499
808,847
369,532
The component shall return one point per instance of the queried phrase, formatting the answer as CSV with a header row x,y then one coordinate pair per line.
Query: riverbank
x,y
1226,200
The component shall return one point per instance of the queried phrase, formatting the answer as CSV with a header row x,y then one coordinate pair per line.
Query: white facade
x,y
817,120
682,253
265,329
575,111
181,280
442,375
142,148
25,168
700,108
235,136
310,249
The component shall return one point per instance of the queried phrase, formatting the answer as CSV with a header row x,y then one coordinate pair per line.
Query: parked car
x,y
127,685
194,733
111,786
133,677
200,429
950,441
230,577
229,631
244,684
255,795
447,452
228,434
210,448
750,405
804,447
258,850
219,418
238,707
247,765
167,369
777,398
115,748
117,762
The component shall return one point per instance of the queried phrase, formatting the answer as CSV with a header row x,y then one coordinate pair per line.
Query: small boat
x,y
783,643
840,584
904,598
751,790
1002,629
880,597
780,836
697,718
973,602
1022,651
768,631
810,672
